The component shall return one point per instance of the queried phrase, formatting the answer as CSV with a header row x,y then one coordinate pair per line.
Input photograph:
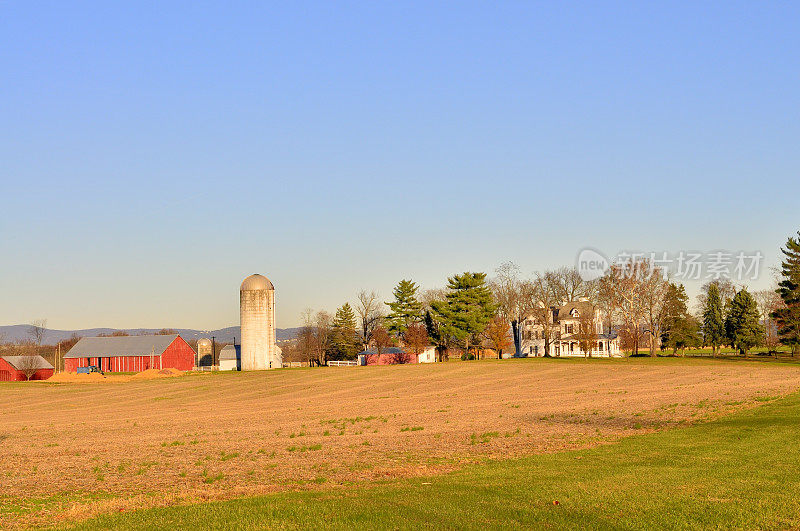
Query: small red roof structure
x,y
13,368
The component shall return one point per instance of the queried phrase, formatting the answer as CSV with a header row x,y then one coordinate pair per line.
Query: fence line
x,y
335,363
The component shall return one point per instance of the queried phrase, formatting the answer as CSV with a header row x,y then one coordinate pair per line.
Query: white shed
x,y
230,358
427,356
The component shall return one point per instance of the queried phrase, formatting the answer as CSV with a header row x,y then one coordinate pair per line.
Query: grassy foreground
x,y
742,471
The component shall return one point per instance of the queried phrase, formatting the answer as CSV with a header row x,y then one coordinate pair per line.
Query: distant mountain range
x,y
15,333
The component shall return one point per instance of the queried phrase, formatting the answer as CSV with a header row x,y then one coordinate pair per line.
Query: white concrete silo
x,y
257,321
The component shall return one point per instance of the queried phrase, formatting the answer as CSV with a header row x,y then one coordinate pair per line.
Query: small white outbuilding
x,y
428,355
230,358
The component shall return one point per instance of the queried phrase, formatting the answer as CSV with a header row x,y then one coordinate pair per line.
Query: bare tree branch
x,y
28,364
370,310
37,330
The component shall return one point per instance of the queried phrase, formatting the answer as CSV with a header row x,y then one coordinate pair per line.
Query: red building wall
x,y
10,374
178,355
391,359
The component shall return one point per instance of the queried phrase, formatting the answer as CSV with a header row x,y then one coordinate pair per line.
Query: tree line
x,y
637,301
463,315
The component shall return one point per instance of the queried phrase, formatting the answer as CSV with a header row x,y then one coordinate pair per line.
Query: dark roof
x,y
565,310
102,347
15,361
390,350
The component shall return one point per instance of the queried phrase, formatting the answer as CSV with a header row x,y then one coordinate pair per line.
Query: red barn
x,y
12,368
390,356
130,353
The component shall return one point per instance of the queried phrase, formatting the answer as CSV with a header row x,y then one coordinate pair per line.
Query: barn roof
x,y
229,352
17,362
389,350
90,347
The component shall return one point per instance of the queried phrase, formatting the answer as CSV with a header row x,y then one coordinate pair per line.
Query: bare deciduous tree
x,y
370,310
28,364
429,296
586,333
305,341
545,297
768,301
322,333
37,330
514,299
654,290
623,287
605,304
316,332
569,285
727,289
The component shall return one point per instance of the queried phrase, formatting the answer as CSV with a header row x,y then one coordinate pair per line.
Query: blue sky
x,y
153,155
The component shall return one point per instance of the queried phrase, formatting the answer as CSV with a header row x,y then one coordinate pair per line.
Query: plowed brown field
x,y
72,450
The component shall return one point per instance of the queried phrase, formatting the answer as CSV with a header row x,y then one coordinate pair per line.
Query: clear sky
x,y
153,155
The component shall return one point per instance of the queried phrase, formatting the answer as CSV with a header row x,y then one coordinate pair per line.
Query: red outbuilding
x,y
13,368
130,353
390,356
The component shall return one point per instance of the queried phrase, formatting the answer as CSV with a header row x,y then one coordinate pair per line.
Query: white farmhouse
x,y
564,322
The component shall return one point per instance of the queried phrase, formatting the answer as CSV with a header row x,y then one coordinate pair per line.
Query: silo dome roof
x,y
256,282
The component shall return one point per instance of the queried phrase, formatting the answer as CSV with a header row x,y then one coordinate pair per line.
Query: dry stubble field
x,y
73,450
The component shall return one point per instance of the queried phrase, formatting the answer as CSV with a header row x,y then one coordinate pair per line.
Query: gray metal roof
x,y
229,352
103,347
388,350
15,361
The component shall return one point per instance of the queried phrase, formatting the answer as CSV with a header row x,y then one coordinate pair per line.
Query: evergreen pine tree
x,y
441,340
467,309
684,333
788,318
681,330
674,305
405,309
743,325
344,338
713,319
